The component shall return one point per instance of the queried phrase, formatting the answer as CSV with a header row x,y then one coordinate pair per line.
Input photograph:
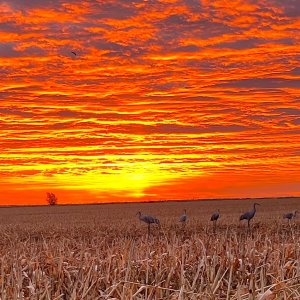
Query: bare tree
x,y
51,199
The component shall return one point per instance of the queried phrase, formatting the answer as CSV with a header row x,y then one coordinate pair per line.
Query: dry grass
x,y
103,252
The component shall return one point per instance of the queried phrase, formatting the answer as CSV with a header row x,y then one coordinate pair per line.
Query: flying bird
x,y
148,219
290,215
183,217
74,53
249,214
214,217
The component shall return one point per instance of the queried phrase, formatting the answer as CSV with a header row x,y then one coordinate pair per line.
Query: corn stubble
x,y
95,253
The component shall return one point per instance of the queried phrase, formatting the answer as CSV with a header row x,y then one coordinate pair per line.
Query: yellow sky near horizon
x,y
163,100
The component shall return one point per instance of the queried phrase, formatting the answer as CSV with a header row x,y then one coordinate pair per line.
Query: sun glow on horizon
x,y
173,100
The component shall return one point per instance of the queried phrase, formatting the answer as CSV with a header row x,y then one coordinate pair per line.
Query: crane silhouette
x,y
290,215
214,217
148,219
183,218
249,214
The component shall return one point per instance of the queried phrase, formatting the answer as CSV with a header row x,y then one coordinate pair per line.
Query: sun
x,y
132,179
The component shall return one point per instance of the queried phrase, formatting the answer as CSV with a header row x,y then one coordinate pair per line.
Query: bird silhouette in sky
x,y
74,53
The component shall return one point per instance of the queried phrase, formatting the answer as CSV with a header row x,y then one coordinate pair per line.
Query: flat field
x,y
104,252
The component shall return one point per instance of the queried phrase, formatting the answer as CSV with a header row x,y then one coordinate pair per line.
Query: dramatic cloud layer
x,y
164,99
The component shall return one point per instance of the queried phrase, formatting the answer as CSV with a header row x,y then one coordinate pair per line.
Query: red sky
x,y
165,99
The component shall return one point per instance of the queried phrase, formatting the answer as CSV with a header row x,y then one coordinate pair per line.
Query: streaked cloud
x,y
164,99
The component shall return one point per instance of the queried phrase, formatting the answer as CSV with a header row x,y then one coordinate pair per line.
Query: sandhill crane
x,y
249,214
148,219
73,52
290,215
183,217
214,217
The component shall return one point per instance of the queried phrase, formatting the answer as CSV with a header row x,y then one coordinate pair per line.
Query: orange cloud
x,y
173,100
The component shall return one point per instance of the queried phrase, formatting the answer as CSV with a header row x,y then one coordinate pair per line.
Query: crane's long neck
x,y
140,215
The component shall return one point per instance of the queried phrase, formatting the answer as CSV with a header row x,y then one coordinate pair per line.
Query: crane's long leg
x,y
249,224
214,226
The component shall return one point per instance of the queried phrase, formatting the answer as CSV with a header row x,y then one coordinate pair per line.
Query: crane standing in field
x,y
183,218
290,216
249,214
148,219
214,217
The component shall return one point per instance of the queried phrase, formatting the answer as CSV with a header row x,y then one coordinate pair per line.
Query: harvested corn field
x,y
104,251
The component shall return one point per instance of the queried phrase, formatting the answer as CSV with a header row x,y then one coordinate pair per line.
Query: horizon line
x,y
150,201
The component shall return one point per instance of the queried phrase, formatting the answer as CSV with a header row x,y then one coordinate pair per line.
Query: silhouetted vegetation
x,y
51,199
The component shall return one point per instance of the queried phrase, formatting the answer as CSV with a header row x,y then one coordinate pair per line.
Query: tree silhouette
x,y
51,199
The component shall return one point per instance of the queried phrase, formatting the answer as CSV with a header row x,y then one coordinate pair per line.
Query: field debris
x,y
82,256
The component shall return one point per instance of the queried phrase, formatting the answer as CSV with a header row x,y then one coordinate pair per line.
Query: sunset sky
x,y
165,99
